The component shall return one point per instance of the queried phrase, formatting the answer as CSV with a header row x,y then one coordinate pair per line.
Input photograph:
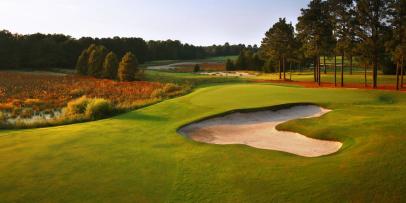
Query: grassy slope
x,y
219,59
139,156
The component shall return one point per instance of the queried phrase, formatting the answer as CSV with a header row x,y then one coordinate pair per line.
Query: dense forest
x,y
41,51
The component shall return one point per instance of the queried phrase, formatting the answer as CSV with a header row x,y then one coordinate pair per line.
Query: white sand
x,y
257,129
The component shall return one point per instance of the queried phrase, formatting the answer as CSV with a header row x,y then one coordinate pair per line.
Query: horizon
x,y
208,22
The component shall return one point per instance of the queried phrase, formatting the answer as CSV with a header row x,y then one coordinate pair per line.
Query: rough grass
x,y
139,157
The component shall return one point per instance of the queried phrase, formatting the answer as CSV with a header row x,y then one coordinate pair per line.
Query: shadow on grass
x,y
138,116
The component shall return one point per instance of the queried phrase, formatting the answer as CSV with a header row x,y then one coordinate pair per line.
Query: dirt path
x,y
257,129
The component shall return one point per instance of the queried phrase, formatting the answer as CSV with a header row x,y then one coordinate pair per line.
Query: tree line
x,y
41,51
373,31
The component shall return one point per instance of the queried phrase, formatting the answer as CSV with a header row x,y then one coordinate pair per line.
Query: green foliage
x,y
315,29
279,41
96,58
230,65
128,67
248,60
88,108
76,107
82,63
110,66
2,117
98,109
269,66
196,68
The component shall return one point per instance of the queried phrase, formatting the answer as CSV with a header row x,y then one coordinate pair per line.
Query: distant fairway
x,y
139,157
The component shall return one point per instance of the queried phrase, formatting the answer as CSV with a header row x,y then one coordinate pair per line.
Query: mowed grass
x,y
139,157
355,78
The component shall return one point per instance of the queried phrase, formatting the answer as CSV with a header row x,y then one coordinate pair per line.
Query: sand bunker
x,y
257,129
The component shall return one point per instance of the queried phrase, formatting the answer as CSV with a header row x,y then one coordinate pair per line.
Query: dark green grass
x,y
139,157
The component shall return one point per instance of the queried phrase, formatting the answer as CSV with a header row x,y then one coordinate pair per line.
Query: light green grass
x,y
139,157
191,79
218,59
356,78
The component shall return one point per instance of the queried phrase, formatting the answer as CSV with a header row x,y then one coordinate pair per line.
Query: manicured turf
x,y
139,157
356,78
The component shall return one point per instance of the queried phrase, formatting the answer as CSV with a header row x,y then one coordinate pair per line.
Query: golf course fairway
x,y
140,157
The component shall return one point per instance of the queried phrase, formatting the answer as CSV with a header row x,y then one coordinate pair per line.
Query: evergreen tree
x,y
372,18
128,67
278,43
396,46
196,68
344,22
315,32
81,64
230,65
241,63
110,66
96,58
257,62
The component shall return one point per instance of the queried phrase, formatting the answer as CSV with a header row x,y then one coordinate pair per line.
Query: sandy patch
x,y
177,65
257,129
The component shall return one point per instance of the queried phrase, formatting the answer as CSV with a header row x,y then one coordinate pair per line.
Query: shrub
x,y
76,107
230,65
26,113
2,117
98,108
128,67
110,66
196,68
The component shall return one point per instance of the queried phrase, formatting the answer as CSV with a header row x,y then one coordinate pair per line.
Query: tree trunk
x,y
284,68
319,70
402,70
365,75
325,65
290,70
335,70
397,75
280,68
375,72
314,70
351,65
342,70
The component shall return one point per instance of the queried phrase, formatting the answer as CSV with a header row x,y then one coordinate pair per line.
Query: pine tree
x,y
396,46
278,43
110,66
372,16
128,67
315,31
241,63
196,68
230,65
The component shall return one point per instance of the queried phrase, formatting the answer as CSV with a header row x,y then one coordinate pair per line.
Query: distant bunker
x,y
258,129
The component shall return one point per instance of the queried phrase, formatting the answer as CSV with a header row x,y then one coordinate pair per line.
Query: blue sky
x,y
200,22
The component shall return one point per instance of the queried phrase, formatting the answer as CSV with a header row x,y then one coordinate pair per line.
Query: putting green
x,y
139,157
